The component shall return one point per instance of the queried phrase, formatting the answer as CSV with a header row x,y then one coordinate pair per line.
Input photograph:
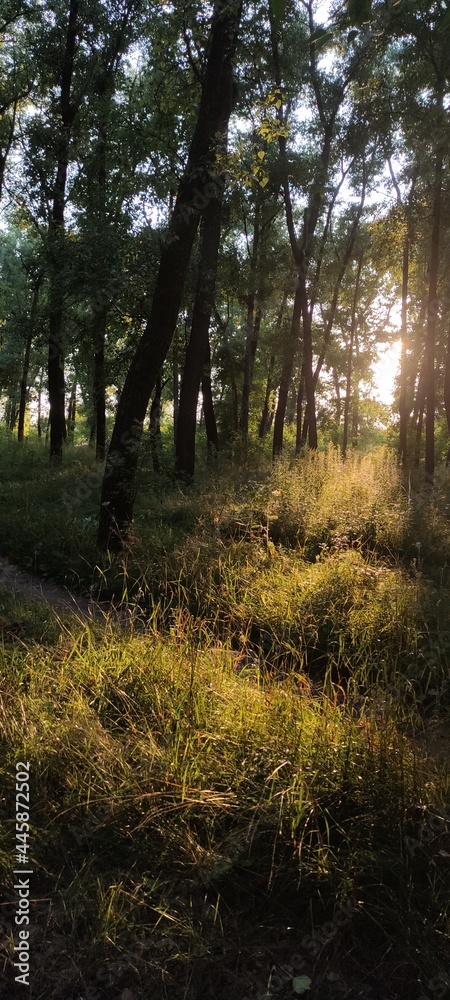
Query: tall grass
x,y
243,751
175,797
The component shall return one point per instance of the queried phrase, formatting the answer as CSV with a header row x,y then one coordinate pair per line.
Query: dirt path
x,y
31,588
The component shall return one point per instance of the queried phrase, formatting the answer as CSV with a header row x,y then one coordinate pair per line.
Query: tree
x,y
197,185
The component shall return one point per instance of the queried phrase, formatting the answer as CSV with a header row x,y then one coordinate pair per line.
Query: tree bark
x,y
263,424
212,437
350,357
355,406
290,350
99,388
195,189
430,346
71,413
198,346
39,411
299,436
403,401
155,427
56,244
26,361
338,398
253,326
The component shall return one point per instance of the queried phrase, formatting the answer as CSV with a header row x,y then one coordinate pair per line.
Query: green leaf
x,y
300,984
279,9
321,37
352,35
359,11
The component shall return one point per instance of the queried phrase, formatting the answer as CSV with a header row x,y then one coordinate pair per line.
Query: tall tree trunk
x,y
290,349
56,243
307,368
212,437
92,430
355,406
300,395
348,384
99,387
196,187
335,297
8,142
155,427
253,325
403,401
249,361
418,414
350,357
26,361
13,415
175,387
198,346
71,413
263,428
430,346
39,411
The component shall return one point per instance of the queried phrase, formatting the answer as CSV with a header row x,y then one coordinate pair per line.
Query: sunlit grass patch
x,y
169,787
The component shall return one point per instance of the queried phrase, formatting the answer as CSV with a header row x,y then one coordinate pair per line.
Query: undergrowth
x,y
186,811
231,785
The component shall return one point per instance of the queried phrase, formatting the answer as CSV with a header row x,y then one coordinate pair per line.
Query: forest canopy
x,y
213,218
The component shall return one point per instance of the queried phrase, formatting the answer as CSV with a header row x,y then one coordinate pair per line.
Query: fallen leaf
x,y
301,983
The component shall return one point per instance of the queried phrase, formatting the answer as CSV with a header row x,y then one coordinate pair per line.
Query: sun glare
x,y
386,370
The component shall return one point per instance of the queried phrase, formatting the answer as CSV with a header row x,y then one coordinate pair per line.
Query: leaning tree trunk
x,y
26,362
56,244
197,349
197,186
430,347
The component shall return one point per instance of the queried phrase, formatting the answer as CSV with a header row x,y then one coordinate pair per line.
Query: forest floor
x,y
240,789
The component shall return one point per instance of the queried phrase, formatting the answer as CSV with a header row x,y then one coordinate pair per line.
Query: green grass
x,y
251,750
198,807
